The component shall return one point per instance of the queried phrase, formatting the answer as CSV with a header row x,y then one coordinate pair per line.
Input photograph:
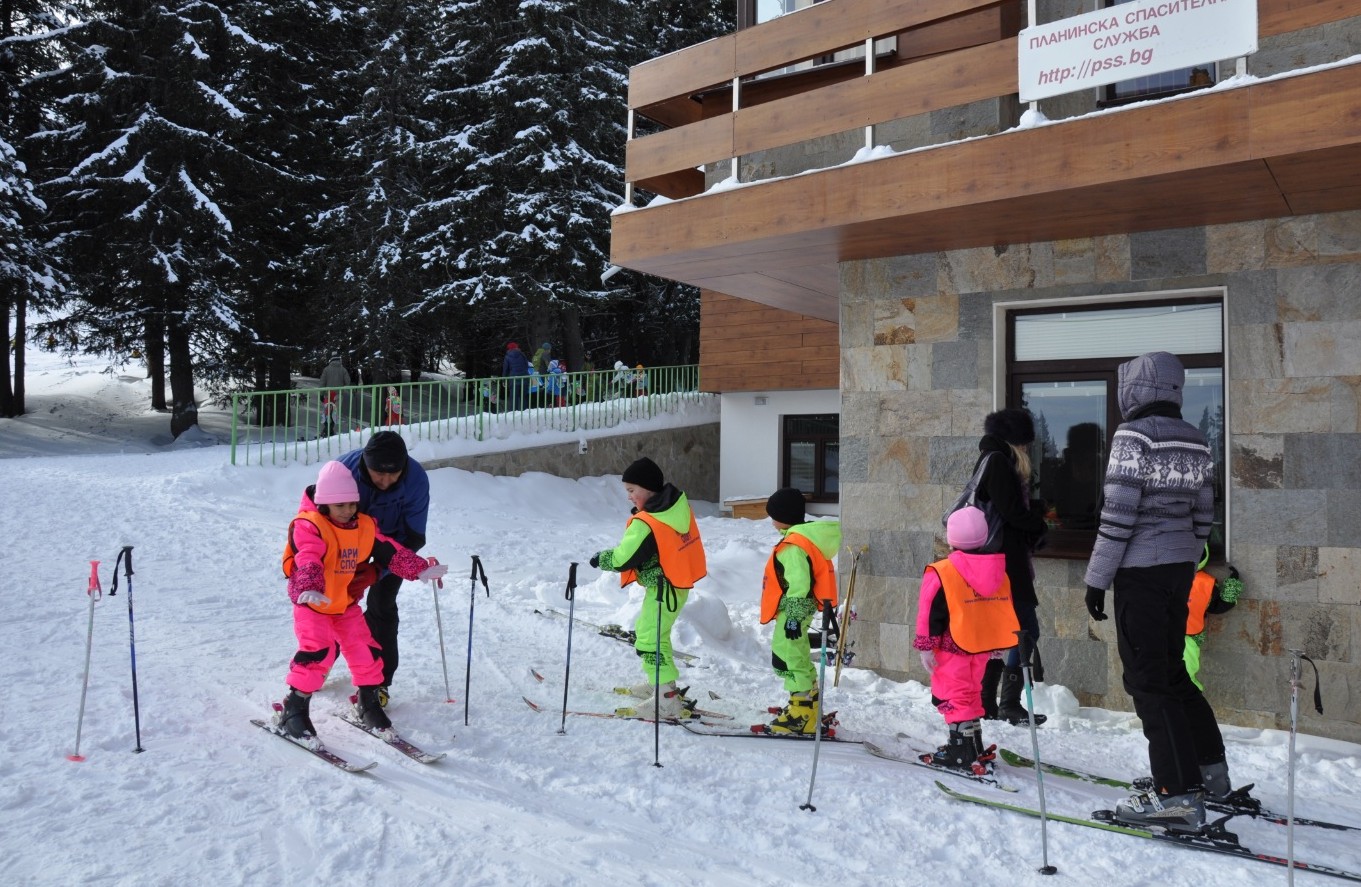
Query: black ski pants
x,y
381,615
1150,627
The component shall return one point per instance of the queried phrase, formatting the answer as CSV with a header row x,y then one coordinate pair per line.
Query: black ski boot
x,y
992,676
369,709
964,750
1009,707
295,718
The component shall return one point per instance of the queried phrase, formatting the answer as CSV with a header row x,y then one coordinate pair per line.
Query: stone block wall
x,y
688,456
917,378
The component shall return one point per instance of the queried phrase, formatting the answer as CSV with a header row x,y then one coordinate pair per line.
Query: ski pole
x,y
827,618
94,592
435,585
662,584
1296,674
1027,650
571,595
477,573
125,558
847,616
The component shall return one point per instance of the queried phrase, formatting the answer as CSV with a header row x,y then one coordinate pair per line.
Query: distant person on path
x,y
964,613
542,357
799,579
661,551
1155,519
395,491
329,560
333,376
515,370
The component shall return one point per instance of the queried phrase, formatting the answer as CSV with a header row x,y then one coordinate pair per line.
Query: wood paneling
x,y
748,347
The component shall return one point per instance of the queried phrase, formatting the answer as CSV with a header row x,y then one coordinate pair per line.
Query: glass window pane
x,y
831,464
812,426
802,466
1119,332
1069,455
1202,405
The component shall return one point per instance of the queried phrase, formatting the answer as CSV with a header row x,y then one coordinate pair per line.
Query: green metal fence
x,y
312,424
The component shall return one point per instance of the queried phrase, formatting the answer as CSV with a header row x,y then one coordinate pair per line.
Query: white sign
x,y
1131,40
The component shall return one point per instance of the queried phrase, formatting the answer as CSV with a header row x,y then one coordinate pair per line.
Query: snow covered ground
x,y
213,800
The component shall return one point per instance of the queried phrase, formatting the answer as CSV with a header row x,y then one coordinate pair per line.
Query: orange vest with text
x,y
823,575
347,550
977,624
1202,589
681,554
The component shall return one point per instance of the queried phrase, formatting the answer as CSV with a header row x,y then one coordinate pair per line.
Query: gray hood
x,y
1149,378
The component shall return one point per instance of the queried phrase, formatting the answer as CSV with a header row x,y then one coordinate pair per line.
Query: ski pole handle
x,y
571,592
434,583
94,590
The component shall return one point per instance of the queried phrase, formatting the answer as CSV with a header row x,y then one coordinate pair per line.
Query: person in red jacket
x,y
330,561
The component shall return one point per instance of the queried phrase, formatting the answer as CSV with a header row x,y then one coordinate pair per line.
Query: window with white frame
x,y
1061,365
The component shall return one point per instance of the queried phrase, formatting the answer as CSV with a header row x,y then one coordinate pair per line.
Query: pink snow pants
x,y
956,683
320,636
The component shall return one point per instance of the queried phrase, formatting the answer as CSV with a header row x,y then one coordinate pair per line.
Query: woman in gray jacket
x,y
1157,514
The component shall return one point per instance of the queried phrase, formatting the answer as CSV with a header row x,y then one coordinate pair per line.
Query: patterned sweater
x,y
1159,499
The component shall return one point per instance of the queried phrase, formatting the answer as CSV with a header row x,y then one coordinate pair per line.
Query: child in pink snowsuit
x,y
329,561
963,614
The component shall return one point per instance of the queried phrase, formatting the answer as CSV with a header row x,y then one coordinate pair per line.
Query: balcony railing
x,y
313,424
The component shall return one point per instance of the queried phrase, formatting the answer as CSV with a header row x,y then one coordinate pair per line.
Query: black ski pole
x,y
662,584
94,592
478,573
125,558
571,595
827,619
1026,649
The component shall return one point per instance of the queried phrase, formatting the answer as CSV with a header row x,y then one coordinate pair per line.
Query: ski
x,y
390,737
1220,841
319,750
1256,812
914,757
616,632
762,731
617,716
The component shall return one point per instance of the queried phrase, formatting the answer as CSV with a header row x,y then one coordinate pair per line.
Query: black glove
x,y
1096,602
595,560
792,629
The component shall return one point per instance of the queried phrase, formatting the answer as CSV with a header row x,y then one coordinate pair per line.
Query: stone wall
x,y
688,456
917,378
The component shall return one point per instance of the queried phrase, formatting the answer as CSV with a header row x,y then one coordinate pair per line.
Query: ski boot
x,y
293,715
1009,706
964,750
799,716
369,709
1183,813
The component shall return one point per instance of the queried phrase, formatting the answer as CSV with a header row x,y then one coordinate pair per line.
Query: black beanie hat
x,y
1013,426
786,506
386,453
645,473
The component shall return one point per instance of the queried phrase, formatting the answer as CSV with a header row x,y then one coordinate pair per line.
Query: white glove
x,y
433,572
313,597
929,660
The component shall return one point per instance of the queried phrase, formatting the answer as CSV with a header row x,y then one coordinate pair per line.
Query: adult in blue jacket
x,y
395,491
515,369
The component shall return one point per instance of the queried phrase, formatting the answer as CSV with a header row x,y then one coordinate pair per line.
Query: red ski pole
x,y
94,592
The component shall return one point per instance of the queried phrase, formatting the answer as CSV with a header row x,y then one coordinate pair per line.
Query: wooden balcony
x,y
1273,147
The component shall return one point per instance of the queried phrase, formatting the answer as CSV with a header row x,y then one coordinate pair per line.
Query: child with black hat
x,y
662,551
799,579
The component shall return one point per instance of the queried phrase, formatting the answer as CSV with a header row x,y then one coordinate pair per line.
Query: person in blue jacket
x,y
515,370
395,491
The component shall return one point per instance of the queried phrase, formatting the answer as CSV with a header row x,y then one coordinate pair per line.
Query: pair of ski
x,y
615,632
632,714
1214,839
316,748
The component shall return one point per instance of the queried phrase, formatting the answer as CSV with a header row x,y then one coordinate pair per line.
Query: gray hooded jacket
x,y
1159,502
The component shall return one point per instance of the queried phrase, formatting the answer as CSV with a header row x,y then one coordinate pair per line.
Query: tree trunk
x,y
154,352
7,410
184,410
574,350
20,340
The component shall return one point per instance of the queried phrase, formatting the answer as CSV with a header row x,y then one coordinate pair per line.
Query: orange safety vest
x,y
681,554
824,576
978,624
1202,588
347,551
